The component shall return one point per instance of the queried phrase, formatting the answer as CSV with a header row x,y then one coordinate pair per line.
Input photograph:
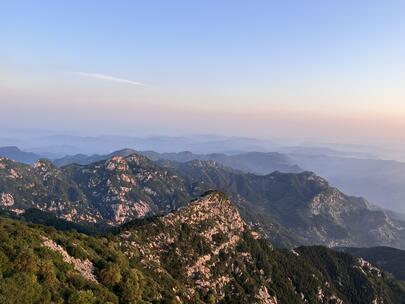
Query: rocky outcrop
x,y
264,297
85,268
6,199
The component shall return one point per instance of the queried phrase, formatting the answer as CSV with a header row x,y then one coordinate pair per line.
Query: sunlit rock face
x,y
6,199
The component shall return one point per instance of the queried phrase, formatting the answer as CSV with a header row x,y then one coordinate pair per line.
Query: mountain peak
x,y
10,149
123,162
124,152
43,162
16,154
214,211
45,167
138,159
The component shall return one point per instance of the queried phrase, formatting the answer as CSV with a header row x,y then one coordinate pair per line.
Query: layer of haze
x,y
310,70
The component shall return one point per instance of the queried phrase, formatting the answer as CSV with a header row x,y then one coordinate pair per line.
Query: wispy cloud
x,y
110,78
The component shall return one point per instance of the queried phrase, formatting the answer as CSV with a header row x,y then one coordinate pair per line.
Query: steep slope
x,y
40,265
202,253
303,204
110,192
113,191
45,187
380,181
125,188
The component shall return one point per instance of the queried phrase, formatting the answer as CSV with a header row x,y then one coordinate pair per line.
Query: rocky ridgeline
x,y
198,235
111,192
45,187
127,188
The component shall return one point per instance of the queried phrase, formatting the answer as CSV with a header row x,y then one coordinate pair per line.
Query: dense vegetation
x,y
390,259
148,261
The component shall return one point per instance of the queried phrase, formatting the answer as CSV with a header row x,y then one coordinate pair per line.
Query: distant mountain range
x,y
18,155
253,162
59,145
290,208
380,181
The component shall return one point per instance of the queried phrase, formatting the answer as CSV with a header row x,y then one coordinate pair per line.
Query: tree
x,y
82,297
211,299
27,261
110,275
131,287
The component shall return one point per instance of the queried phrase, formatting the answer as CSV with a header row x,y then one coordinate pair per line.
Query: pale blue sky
x,y
310,69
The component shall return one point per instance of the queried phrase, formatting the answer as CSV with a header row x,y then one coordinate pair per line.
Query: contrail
x,y
110,78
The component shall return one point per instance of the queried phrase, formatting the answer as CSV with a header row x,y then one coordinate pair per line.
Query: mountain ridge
x,y
380,181
15,153
290,209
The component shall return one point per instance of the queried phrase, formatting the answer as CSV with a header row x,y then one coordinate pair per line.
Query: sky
x,y
307,70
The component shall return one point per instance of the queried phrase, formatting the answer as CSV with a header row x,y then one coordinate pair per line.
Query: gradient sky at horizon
x,y
309,70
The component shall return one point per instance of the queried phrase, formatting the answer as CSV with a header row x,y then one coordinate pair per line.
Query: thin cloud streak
x,y
110,78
